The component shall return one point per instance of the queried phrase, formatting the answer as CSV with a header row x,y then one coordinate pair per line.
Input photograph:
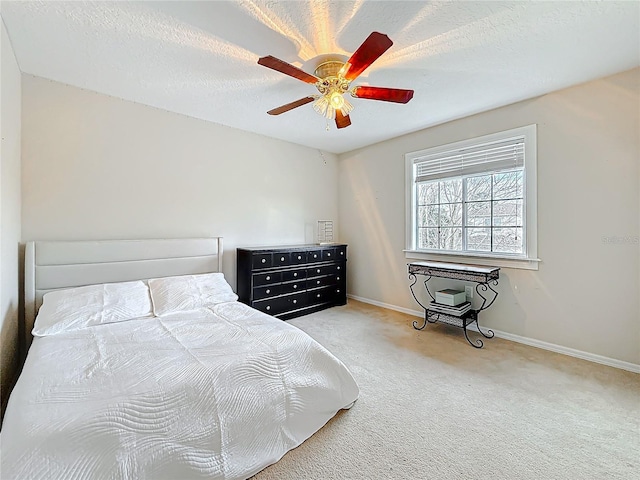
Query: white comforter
x,y
203,394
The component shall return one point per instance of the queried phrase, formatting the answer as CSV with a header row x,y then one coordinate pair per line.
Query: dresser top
x,y
306,246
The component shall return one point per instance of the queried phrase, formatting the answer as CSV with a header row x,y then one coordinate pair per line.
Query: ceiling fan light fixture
x,y
327,105
346,107
332,90
333,77
323,107
336,100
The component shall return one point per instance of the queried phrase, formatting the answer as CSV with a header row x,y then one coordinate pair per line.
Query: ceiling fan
x,y
333,79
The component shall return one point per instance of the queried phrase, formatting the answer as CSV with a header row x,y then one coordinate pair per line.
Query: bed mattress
x,y
215,393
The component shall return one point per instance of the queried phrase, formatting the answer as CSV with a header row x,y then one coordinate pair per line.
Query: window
x,y
475,198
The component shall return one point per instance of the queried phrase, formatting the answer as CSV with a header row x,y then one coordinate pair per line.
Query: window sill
x,y
505,262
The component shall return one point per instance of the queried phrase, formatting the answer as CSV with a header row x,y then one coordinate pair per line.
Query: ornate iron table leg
x,y
473,315
485,287
415,323
415,280
489,333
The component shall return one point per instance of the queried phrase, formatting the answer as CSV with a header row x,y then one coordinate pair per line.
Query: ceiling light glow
x,y
336,100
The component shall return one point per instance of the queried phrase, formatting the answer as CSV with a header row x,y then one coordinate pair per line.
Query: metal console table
x,y
485,278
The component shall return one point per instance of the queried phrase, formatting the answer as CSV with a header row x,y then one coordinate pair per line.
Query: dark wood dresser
x,y
294,280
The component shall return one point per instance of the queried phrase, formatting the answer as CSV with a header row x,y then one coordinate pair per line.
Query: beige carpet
x,y
433,407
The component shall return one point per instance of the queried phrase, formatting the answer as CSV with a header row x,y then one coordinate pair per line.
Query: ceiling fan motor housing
x,y
330,68
331,80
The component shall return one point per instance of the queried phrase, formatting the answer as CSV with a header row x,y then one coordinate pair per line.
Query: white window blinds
x,y
501,155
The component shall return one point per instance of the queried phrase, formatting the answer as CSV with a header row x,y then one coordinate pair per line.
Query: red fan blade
x,y
288,69
367,53
396,95
342,121
291,106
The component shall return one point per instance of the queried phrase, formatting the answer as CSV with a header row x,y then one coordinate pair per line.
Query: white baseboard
x,y
591,357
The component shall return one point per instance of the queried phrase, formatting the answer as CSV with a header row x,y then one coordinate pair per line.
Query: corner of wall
x,y
10,214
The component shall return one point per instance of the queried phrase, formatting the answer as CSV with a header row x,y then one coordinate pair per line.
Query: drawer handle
x,y
299,257
295,286
341,253
318,282
268,307
269,291
282,259
338,268
338,290
295,301
268,278
264,260
315,256
295,274
329,254
318,270
338,278
318,295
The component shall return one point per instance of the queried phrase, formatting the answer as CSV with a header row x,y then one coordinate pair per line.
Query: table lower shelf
x,y
463,321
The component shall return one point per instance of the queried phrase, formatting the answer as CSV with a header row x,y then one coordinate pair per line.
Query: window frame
x,y
528,260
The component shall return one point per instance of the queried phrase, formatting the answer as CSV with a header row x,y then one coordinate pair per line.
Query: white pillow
x,y
77,308
189,292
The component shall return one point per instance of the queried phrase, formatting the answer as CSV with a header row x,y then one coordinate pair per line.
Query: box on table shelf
x,y
456,311
451,297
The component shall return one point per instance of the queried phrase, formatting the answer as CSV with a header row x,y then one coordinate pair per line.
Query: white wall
x,y
9,212
98,167
585,294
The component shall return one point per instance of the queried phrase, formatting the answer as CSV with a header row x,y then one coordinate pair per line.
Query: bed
x,y
144,365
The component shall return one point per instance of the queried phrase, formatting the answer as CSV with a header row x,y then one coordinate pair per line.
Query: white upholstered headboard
x,y
54,265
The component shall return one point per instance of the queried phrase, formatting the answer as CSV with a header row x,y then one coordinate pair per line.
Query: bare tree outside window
x,y
481,213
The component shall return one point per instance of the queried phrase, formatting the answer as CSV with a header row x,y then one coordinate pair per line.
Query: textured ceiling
x,y
199,58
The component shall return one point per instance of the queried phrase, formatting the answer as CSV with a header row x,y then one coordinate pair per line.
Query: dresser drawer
x,y
314,256
328,254
265,292
293,287
321,281
272,306
298,258
266,278
297,274
320,270
334,268
341,252
299,300
261,260
321,295
337,293
281,259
